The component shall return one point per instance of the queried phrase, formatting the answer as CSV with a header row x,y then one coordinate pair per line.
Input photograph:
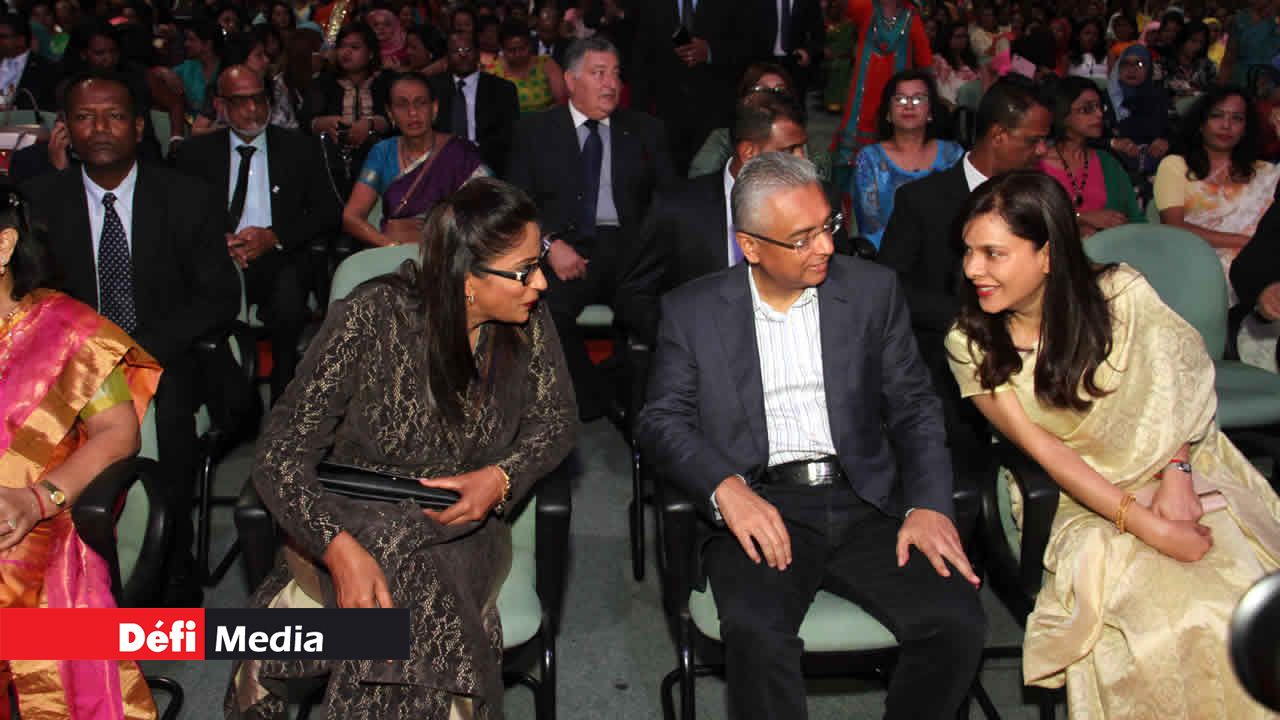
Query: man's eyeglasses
x,y
905,100
522,275
771,89
830,227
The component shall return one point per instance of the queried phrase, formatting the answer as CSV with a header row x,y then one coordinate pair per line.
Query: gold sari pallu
x,y
61,354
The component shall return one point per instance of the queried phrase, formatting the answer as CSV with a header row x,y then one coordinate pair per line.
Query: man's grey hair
x,y
760,178
579,49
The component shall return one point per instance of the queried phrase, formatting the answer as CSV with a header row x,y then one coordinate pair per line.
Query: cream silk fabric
x,y
1133,633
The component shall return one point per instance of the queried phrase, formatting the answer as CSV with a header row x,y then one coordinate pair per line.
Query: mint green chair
x,y
840,638
1187,274
531,597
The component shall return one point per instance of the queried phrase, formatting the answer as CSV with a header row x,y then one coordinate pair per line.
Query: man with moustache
x,y
789,402
144,246
277,204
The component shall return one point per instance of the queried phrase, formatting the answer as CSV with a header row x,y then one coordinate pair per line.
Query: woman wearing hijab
x,y
1141,112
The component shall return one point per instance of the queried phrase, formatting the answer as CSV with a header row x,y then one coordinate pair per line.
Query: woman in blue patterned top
x,y
907,150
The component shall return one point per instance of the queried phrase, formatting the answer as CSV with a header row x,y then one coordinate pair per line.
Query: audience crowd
x,y
176,168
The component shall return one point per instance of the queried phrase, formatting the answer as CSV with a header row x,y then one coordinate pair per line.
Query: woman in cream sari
x,y
73,387
1162,523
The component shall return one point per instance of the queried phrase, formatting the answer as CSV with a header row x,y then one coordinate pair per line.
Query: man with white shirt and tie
x,y
796,36
27,79
788,402
475,105
687,58
592,168
277,205
547,37
144,245
689,230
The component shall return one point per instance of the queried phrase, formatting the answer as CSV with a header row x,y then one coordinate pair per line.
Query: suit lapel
x,y
840,366
81,279
741,353
716,230
146,233
222,163
278,171
482,100
620,145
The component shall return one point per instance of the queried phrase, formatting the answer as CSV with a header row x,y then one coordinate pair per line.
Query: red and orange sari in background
x,y
55,354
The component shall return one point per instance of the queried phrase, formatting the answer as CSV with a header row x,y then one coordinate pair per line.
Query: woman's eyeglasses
x,y
1088,108
913,100
830,227
522,275
771,89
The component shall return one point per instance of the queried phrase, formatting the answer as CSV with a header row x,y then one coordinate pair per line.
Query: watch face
x,y
58,497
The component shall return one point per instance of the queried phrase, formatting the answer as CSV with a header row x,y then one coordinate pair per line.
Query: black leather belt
x,y
806,473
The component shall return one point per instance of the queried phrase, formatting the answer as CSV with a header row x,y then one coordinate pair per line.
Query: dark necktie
x,y
459,112
784,26
115,271
592,159
242,186
686,14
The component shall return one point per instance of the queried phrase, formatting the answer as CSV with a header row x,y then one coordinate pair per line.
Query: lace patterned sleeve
x,y
867,210
300,428
549,416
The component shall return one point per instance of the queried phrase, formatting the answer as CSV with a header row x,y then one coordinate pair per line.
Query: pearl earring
x,y
471,299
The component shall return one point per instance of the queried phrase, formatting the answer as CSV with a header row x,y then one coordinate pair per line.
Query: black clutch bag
x,y
361,484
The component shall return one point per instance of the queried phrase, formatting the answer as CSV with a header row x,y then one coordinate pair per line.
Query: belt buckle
x,y
816,473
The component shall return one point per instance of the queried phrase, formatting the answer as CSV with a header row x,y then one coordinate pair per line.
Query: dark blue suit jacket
x,y
704,418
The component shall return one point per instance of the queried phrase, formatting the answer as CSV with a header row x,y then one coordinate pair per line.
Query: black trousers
x,y
566,299
175,407
277,283
844,545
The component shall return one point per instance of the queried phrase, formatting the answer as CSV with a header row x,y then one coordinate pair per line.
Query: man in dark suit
x,y
788,401
592,169
142,244
28,78
691,84
278,203
1255,276
688,232
921,240
795,34
475,105
547,38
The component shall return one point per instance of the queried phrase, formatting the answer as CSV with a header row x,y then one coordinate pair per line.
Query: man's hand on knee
x,y
935,535
754,522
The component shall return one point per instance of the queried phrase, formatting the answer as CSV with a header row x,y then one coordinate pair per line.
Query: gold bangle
x,y
501,507
1124,510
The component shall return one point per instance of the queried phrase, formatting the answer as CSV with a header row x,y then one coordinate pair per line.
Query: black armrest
x,y
95,513
257,534
966,497
680,546
554,505
1039,504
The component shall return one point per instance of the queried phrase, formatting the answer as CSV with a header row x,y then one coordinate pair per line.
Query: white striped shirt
x,y
795,399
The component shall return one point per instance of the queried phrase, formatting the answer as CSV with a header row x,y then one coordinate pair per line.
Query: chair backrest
x,y
969,94
368,264
1153,212
164,130
1254,641
1182,268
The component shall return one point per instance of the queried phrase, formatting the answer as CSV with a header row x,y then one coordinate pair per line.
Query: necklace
x,y
887,31
9,337
431,147
1077,192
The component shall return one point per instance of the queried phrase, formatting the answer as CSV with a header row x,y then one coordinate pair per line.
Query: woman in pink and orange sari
x,y
73,388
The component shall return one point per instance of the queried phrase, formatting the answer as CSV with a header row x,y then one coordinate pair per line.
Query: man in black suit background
x,y
475,105
592,168
25,75
547,38
795,34
691,84
277,201
921,241
788,400
144,246
689,232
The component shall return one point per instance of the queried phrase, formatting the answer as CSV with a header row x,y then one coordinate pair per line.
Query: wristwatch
x,y
58,497
1182,465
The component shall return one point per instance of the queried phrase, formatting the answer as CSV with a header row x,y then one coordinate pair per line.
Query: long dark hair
x,y
1065,92
28,265
1099,51
942,46
1191,143
1075,325
884,128
480,222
